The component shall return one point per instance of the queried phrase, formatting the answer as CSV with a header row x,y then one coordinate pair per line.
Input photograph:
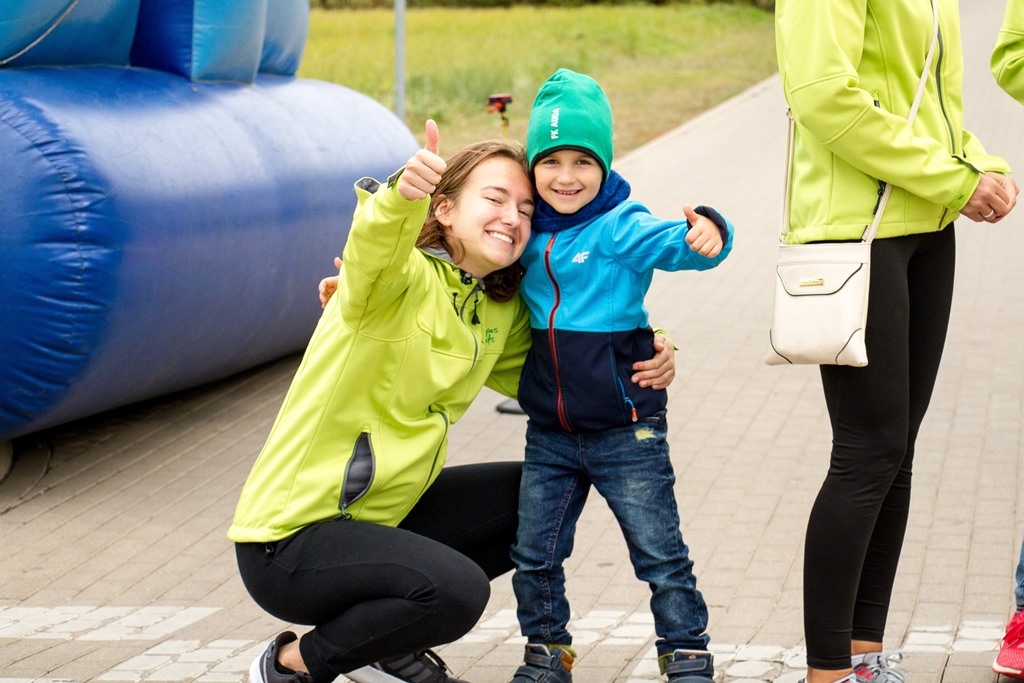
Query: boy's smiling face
x,y
568,179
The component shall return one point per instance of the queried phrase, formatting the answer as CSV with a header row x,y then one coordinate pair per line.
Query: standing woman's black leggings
x,y
373,591
856,527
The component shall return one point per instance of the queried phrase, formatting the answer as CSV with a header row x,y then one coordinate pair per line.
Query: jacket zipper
x,y
881,184
942,108
362,458
560,399
942,101
461,312
477,288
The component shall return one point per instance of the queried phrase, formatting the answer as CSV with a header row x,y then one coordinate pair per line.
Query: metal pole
x,y
400,58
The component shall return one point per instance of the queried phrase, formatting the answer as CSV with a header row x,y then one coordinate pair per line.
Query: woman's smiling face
x,y
491,217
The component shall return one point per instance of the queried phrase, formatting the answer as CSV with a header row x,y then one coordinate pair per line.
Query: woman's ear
x,y
442,211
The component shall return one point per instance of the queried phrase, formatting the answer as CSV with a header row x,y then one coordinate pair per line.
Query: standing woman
x,y
348,520
850,70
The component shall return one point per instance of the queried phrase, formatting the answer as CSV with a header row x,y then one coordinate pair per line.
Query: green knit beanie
x,y
571,111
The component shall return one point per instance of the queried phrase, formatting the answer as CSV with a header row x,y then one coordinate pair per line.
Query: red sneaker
x,y
1010,660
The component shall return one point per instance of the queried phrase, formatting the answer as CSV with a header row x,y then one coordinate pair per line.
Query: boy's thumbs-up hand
x,y
423,171
703,236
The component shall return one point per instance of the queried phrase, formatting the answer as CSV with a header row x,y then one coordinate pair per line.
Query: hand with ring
x,y
993,198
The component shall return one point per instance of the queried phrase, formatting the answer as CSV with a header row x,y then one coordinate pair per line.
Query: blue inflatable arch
x,y
173,194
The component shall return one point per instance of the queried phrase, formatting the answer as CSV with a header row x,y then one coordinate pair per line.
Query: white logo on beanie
x,y
554,123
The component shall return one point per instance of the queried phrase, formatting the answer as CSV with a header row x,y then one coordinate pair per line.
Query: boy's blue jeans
x,y
630,468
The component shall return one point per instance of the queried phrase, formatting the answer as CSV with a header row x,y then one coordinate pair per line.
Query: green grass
x,y
660,65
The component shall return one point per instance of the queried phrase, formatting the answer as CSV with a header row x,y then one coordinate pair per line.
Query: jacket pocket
x,y
358,474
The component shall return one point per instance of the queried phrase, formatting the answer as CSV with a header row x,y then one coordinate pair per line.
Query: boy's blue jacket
x,y
585,288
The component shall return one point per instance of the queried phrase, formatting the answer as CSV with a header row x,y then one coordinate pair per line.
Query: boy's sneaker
x,y
688,666
880,667
265,669
541,665
1010,660
419,667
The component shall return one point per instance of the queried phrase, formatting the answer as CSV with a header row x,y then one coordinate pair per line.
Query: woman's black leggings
x,y
856,527
372,591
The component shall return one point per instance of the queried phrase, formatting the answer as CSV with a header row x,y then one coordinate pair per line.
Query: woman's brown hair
x,y
501,285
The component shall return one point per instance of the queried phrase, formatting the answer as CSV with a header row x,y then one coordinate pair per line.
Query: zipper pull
x,y
632,409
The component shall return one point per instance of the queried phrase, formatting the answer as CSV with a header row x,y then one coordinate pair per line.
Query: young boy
x,y
588,266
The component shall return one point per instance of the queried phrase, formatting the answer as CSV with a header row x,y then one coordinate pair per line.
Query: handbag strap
x,y
871,230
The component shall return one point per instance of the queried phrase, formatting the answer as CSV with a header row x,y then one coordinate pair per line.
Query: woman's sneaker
x,y
848,678
880,667
688,666
543,665
419,667
265,668
1010,660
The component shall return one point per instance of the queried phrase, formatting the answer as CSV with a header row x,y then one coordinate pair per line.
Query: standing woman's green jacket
x,y
401,351
1008,55
850,70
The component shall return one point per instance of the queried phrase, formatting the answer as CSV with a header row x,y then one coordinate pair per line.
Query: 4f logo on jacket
x,y
580,256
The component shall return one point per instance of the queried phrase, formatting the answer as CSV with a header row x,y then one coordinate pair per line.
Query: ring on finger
x,y
991,212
